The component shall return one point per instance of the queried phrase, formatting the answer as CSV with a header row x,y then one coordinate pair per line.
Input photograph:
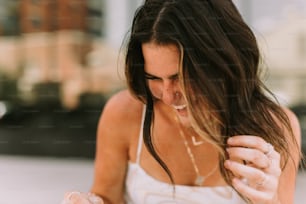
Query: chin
x,y
184,120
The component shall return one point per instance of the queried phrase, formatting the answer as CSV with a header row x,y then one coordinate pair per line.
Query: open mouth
x,y
180,107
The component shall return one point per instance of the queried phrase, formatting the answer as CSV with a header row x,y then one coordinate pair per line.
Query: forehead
x,y
161,58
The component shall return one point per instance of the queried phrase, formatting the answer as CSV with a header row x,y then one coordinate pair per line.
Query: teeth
x,y
180,107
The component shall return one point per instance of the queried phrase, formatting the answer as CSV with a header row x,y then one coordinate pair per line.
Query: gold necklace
x,y
200,179
195,142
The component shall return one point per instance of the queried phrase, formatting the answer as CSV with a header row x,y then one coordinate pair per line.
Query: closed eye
x,y
174,77
150,77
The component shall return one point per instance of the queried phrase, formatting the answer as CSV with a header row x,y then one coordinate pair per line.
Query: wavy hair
x,y
219,73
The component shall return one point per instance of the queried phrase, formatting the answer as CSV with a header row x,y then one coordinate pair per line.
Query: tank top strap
x,y
140,138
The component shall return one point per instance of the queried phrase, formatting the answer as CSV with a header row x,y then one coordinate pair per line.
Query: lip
x,y
181,109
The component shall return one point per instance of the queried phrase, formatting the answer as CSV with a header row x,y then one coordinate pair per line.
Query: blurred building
x,y
37,16
26,16
57,41
52,15
55,70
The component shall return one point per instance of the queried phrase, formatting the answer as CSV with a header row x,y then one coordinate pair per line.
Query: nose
x,y
169,93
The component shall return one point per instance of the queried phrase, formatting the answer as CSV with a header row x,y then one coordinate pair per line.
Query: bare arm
x,y
115,131
287,179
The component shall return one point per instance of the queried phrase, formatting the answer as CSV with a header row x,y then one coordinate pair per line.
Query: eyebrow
x,y
169,77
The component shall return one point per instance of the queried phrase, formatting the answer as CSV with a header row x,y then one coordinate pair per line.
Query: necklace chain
x,y
200,179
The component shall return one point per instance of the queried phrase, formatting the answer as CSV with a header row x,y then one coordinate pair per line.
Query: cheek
x,y
155,89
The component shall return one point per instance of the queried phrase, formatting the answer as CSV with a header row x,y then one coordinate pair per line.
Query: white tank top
x,y
141,188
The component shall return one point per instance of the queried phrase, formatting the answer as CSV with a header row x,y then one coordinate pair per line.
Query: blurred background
x,y
60,61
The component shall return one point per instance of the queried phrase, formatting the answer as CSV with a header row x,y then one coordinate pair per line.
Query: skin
x,y
120,144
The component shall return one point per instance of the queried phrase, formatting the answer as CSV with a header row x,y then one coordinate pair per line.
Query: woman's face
x,y
161,65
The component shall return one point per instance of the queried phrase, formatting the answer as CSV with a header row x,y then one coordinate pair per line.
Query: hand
x,y
76,197
258,177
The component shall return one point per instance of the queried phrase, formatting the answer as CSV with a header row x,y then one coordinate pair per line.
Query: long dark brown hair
x,y
219,72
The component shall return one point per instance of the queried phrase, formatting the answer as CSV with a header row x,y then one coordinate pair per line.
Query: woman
x,y
196,124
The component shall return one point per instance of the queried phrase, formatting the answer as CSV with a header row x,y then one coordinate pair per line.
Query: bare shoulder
x,y
121,116
122,106
295,125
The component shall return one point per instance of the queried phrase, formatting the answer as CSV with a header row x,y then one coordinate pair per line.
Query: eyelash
x,y
176,77
155,78
151,78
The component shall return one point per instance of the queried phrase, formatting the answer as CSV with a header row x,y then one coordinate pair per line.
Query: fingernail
x,y
229,140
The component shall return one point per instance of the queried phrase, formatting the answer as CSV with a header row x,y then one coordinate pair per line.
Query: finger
x,y
72,195
254,195
254,142
79,198
253,175
94,199
249,141
253,156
